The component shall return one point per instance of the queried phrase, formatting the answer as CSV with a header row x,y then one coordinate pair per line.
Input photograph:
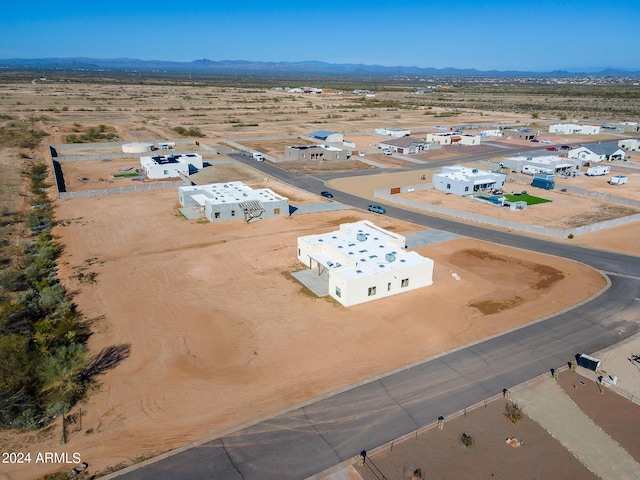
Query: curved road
x,y
309,439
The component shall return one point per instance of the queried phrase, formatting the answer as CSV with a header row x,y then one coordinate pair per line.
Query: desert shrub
x,y
513,412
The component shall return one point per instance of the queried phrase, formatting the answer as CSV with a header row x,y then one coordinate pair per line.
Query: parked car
x,y
534,140
387,152
552,149
376,209
545,141
565,147
326,194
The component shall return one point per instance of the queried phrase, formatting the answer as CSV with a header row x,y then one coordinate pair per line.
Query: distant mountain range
x,y
306,67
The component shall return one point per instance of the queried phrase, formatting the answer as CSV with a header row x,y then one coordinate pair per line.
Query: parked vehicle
x,y
565,147
545,141
618,180
387,152
376,209
326,194
534,140
552,149
598,171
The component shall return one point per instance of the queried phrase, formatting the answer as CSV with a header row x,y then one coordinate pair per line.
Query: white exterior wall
x,y
446,138
157,171
464,181
356,267
631,144
221,201
583,153
570,128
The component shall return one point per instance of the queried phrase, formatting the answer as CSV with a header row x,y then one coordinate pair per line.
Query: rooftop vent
x,y
390,257
361,237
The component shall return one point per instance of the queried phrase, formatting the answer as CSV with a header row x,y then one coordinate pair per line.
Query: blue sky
x,y
536,35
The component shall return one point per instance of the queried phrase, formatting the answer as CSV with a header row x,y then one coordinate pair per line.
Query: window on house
x,y
372,291
276,211
233,213
166,172
448,186
338,292
405,282
303,155
389,287
338,156
466,189
216,215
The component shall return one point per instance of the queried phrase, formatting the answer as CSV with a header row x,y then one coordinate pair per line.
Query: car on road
x,y
376,209
326,194
565,147
552,149
545,141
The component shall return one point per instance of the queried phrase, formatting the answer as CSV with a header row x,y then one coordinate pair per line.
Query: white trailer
x,y
598,171
533,169
618,180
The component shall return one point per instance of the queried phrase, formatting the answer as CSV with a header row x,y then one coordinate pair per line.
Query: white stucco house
x,y
393,132
543,164
465,181
599,152
170,166
571,128
362,262
453,138
630,144
233,200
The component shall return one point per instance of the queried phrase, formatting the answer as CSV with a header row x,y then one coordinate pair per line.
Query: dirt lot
x,y
171,297
206,327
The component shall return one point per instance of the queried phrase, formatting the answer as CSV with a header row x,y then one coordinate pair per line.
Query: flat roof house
x,y
233,200
600,152
631,144
519,133
393,132
362,262
170,166
571,128
545,163
314,153
453,138
403,145
465,181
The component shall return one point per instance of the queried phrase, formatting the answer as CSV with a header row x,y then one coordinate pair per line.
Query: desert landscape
x,y
204,325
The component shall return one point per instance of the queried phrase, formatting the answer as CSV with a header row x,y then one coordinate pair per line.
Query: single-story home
x,y
542,164
170,166
520,133
453,138
465,181
570,128
233,200
362,262
630,144
326,136
599,152
403,145
393,132
315,153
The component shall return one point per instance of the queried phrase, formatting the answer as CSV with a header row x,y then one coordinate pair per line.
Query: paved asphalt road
x,y
312,438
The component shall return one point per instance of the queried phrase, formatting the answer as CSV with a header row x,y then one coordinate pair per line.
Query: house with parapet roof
x,y
542,164
170,166
466,181
362,262
631,144
453,138
233,200
393,132
315,153
573,129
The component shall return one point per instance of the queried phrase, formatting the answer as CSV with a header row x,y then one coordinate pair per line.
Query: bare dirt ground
x,y
205,326
209,313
